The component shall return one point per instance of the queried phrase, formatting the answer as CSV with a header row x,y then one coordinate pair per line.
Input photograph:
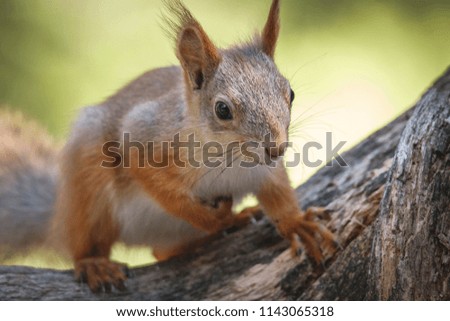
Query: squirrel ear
x,y
271,29
197,54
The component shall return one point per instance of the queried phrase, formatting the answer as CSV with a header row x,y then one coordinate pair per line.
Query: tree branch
x,y
402,255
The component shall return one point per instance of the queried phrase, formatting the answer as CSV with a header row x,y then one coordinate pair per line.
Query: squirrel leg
x,y
279,201
99,273
176,197
84,213
249,214
163,254
239,220
91,250
91,247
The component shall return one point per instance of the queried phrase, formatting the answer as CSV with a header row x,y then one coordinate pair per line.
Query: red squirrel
x,y
216,95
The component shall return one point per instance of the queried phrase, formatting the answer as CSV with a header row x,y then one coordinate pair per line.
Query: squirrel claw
x,y
101,274
245,217
253,214
303,231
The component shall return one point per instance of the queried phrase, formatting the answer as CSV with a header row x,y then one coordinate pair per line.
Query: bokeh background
x,y
354,65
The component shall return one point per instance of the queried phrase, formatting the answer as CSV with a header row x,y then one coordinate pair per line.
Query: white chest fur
x,y
144,222
236,182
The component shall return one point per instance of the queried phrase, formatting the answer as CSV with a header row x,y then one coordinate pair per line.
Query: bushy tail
x,y
28,178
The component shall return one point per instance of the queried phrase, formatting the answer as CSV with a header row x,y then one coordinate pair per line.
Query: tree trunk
x,y
390,209
410,258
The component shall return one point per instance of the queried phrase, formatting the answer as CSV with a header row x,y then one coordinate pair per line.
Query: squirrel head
x,y
238,92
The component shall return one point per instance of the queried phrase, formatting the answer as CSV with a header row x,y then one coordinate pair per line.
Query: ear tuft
x,y
198,56
271,30
191,53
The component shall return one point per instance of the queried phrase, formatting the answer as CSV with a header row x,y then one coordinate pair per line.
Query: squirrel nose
x,y
275,152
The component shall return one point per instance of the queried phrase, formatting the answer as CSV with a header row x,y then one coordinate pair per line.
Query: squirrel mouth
x,y
272,157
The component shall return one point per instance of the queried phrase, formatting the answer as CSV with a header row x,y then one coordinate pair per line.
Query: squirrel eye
x,y
223,111
292,96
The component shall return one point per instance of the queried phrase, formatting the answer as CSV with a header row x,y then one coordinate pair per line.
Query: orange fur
x,y
165,254
84,210
196,52
272,29
171,188
239,220
101,274
279,201
91,228
83,215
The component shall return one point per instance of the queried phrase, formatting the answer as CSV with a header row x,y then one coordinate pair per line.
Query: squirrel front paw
x,y
220,207
218,212
224,212
247,215
314,236
101,274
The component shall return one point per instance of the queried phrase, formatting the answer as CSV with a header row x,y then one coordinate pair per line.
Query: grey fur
x,y
159,103
26,207
28,181
252,82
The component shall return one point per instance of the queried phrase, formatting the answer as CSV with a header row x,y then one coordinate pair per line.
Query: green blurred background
x,y
354,65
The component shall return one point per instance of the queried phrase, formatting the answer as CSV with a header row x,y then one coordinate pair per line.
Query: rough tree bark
x,y
390,209
410,257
